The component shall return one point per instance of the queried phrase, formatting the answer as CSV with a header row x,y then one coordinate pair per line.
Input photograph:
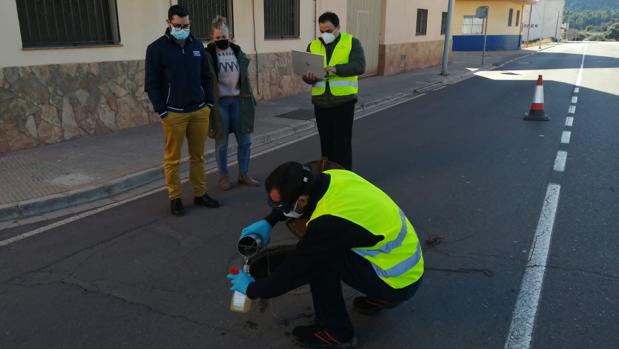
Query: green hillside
x,y
593,19
591,5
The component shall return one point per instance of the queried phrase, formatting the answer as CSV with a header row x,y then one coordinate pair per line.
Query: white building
x,y
543,19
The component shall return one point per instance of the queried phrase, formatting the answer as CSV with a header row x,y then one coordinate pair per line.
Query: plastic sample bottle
x,y
240,303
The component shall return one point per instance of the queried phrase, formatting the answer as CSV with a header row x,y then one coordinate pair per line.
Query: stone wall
x,y
399,58
275,76
54,103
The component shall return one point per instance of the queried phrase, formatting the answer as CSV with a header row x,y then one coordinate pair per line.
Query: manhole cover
x,y
298,114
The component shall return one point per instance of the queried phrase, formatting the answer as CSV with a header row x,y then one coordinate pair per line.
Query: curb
x,y
54,202
38,206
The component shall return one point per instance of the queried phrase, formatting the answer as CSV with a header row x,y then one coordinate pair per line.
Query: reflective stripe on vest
x,y
401,267
397,259
338,85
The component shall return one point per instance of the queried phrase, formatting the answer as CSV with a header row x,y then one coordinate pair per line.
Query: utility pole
x,y
450,13
483,55
483,12
529,27
558,28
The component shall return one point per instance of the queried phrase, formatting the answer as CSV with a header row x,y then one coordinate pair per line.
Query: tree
x,y
613,32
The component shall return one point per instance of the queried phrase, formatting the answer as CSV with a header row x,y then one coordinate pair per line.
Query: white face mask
x,y
327,37
293,213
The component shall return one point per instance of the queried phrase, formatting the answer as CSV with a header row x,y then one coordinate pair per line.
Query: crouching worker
x,y
355,234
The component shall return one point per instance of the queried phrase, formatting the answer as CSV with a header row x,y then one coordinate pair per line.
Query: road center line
x,y
572,109
523,320
569,121
582,66
574,99
560,161
565,137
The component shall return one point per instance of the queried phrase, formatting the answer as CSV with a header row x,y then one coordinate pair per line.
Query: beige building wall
x,y
50,95
401,49
140,22
244,28
497,18
402,20
340,7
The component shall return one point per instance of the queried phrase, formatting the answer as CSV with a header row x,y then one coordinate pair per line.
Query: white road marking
x,y
525,312
576,90
569,121
574,99
82,215
572,109
523,320
565,137
560,161
582,67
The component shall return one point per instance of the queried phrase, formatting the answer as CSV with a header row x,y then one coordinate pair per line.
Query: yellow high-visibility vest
x,y
397,259
338,85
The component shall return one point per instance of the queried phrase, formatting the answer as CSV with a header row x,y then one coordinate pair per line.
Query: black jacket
x,y
326,239
178,78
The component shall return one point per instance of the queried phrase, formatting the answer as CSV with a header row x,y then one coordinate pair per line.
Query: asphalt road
x,y
469,172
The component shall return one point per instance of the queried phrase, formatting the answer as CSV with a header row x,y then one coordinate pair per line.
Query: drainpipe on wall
x,y
315,17
253,17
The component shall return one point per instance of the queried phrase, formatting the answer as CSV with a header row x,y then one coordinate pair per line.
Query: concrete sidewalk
x,y
99,170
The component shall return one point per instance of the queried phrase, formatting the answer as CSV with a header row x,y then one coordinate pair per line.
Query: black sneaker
x,y
319,337
176,207
206,200
371,306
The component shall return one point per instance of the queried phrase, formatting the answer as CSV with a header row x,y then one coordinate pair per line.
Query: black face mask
x,y
222,44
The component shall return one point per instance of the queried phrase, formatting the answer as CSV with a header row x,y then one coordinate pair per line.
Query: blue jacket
x,y
178,78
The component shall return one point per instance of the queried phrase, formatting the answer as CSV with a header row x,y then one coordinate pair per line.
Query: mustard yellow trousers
x,y
177,126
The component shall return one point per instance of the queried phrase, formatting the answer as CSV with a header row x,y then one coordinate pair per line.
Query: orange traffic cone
x,y
537,107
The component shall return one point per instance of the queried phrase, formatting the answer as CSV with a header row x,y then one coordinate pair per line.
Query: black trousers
x,y
356,272
335,131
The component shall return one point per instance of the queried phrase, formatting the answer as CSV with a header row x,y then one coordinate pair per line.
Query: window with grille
x,y
422,22
67,23
281,19
472,25
510,17
202,13
444,23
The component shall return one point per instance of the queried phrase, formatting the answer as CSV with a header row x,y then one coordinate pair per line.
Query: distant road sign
x,y
482,12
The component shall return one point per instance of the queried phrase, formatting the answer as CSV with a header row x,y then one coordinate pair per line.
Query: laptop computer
x,y
304,62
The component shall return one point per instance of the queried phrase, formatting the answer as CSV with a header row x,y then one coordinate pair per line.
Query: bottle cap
x,y
234,270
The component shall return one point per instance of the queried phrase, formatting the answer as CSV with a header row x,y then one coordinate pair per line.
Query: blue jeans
x,y
230,110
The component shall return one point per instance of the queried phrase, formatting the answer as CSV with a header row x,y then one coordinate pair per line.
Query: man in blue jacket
x,y
179,85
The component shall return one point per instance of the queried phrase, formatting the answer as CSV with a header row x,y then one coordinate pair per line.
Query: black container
x,y
267,260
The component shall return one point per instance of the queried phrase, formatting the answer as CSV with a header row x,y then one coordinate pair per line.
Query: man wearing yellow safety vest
x,y
334,95
355,234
